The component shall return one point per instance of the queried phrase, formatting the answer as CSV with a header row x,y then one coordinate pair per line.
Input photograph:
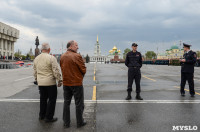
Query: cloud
x,y
152,23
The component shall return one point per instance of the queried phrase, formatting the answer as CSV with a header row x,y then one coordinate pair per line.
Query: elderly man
x,y
46,72
73,71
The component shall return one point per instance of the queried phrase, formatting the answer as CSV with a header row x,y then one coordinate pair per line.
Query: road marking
x,y
110,101
148,78
23,78
94,97
187,90
17,69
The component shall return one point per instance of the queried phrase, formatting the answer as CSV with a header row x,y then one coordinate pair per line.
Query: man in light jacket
x,y
46,72
73,70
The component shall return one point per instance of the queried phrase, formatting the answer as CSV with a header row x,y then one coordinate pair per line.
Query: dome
x,y
110,51
119,50
114,48
174,47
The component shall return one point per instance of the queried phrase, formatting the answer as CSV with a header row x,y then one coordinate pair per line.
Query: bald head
x,y
73,45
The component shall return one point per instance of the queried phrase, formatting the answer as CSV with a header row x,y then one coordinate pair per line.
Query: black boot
x,y
138,97
129,96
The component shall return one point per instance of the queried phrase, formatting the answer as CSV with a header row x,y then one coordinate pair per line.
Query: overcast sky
x,y
150,23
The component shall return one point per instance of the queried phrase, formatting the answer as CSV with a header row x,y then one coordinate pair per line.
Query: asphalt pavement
x,y
106,109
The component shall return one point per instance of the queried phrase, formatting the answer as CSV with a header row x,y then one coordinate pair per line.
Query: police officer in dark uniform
x,y
187,69
134,63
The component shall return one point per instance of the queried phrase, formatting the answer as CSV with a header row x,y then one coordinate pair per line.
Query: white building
x,y
8,36
98,58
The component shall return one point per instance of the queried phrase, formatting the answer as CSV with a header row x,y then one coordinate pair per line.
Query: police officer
x,y
134,63
187,69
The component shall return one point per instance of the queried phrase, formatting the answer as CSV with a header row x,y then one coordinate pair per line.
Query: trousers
x,y
78,93
48,96
134,74
190,78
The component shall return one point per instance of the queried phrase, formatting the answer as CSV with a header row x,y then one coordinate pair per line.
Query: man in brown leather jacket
x,y
73,71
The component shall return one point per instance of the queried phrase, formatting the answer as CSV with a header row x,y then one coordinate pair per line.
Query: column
x,y
13,49
1,46
6,49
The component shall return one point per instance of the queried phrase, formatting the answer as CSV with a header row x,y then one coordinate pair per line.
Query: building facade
x,y
113,52
173,53
98,58
8,36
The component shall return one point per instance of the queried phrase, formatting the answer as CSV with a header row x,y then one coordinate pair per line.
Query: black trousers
x,y
78,93
190,78
134,74
48,96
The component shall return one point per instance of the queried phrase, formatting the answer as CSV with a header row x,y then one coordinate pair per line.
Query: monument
x,y
37,51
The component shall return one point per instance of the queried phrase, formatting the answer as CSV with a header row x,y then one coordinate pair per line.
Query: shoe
x,y
66,125
192,96
129,96
52,120
182,94
83,124
138,97
41,118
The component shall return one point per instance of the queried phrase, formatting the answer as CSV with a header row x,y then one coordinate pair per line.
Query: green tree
x,y
87,58
198,54
28,57
150,55
125,52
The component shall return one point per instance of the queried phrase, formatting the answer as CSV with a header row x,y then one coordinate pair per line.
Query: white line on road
x,y
110,101
23,78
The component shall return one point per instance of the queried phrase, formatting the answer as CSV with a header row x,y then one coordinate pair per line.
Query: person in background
x,y
134,63
187,69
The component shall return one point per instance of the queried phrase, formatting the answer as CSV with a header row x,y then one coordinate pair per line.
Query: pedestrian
x,y
73,70
134,63
187,69
46,72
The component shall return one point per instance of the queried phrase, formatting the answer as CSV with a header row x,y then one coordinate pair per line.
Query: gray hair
x,y
45,46
70,43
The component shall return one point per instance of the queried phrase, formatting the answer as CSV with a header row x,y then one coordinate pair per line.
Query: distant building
x,y
115,52
98,58
173,53
8,36
31,52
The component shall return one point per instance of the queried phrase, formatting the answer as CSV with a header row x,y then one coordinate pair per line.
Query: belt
x,y
134,67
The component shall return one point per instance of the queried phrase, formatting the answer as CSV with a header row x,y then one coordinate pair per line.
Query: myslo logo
x,y
184,128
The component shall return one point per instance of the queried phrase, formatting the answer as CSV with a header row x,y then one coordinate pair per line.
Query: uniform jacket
x,y
46,70
188,66
73,68
133,59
